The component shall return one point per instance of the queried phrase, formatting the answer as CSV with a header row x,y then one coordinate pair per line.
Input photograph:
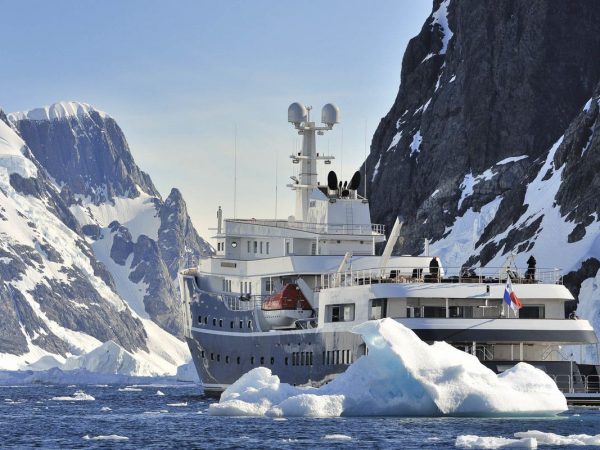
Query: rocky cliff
x,y
490,147
89,251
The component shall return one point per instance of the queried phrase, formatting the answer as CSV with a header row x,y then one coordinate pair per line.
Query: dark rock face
x,y
88,154
513,77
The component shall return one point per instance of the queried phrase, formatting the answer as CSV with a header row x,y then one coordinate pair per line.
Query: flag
x,y
510,298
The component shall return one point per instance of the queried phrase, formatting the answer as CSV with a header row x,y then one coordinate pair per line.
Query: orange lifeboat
x,y
289,298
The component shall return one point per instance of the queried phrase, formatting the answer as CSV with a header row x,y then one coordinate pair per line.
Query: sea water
x,y
122,416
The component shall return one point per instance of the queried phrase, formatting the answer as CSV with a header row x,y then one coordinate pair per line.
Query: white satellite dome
x,y
330,114
297,113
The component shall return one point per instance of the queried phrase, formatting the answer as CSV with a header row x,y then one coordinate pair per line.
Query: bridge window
x,y
532,312
339,313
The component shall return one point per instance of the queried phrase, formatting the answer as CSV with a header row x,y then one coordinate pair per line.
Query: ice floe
x,y
109,437
557,439
160,393
488,442
337,437
76,397
401,375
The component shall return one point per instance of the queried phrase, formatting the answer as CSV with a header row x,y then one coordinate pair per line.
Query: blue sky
x,y
180,76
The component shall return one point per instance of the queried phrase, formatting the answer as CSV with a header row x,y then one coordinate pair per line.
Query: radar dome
x,y
330,114
297,113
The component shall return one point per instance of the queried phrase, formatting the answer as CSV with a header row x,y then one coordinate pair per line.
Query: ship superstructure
x,y
285,294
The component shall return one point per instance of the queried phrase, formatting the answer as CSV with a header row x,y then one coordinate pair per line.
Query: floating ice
x,y
130,389
337,437
401,375
177,404
105,409
160,393
488,442
77,396
557,439
109,437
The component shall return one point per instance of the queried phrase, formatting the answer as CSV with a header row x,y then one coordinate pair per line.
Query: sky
x,y
194,83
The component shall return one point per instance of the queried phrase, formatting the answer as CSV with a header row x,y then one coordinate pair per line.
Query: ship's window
x,y
231,324
241,323
267,248
250,324
262,360
202,354
313,248
287,248
532,312
221,323
252,360
269,286
339,313
227,360
463,312
199,319
214,322
286,361
272,360
234,244
212,356
238,360
261,247
378,308
337,356
218,357
205,320
323,358
255,247
327,360
249,246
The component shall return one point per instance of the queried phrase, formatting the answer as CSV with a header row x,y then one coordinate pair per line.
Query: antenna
x,y
276,169
235,172
365,188
342,154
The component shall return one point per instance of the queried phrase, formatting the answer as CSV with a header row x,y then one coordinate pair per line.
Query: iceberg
x,y
400,376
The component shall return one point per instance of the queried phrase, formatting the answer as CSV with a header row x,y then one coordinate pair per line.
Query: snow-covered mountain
x,y
492,144
89,251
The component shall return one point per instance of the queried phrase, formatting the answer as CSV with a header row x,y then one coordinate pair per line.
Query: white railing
x,y
578,384
480,275
320,228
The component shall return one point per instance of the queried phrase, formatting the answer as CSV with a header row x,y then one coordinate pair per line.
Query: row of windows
x,y
337,357
204,319
226,285
258,247
298,358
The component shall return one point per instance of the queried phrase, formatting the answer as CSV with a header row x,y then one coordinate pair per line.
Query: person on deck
x,y
530,274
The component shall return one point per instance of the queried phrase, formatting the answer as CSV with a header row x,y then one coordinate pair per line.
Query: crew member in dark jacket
x,y
530,274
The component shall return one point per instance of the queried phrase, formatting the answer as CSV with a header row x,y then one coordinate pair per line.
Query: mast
x,y
299,116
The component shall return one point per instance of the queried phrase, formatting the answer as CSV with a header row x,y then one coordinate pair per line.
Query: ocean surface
x,y
139,417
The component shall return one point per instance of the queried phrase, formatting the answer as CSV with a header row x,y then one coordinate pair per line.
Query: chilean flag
x,y
510,297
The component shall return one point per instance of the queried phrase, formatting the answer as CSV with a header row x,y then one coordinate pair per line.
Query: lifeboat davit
x,y
285,307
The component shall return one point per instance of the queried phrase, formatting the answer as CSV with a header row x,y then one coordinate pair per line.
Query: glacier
x,y
400,376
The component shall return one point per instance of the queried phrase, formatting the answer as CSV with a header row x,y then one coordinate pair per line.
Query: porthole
x,y
214,322
272,360
252,360
287,360
262,360
221,323
212,356
234,244
231,324
250,324
199,319
238,359
227,360
205,320
218,357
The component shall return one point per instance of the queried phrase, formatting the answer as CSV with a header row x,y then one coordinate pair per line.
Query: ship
x,y
285,294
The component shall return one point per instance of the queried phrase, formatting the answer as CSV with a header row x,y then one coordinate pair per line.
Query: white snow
x,y
400,375
12,159
376,169
589,307
415,145
453,78
78,396
511,159
108,437
556,439
188,373
440,17
489,442
56,111
587,105
395,140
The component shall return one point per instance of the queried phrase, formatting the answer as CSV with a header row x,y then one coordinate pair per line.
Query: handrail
x,y
478,275
578,383
321,228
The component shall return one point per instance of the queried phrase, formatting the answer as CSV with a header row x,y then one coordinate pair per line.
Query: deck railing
x,y
319,228
480,275
578,384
